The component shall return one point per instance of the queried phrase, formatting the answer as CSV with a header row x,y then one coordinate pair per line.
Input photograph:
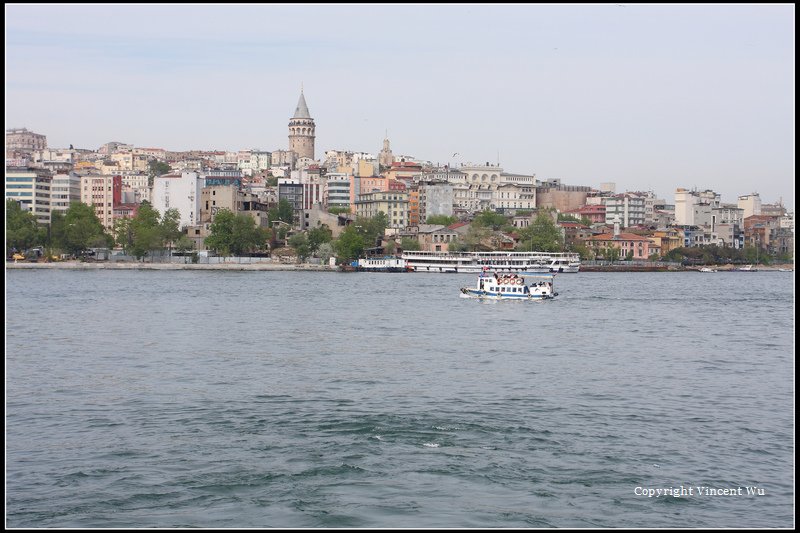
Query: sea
x,y
219,399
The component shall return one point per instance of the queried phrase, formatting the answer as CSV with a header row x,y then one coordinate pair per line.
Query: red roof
x,y
620,237
458,225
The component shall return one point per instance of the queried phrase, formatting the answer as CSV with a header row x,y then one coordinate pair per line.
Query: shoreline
x,y
307,267
77,265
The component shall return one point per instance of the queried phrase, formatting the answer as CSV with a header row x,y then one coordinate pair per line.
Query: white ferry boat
x,y
475,262
380,264
496,286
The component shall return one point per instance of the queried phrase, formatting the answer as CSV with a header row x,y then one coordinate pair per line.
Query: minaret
x,y
301,130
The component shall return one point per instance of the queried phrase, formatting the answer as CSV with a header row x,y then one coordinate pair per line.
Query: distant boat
x,y
747,268
707,269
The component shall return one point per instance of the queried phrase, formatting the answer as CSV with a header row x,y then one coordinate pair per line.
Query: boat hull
x,y
467,292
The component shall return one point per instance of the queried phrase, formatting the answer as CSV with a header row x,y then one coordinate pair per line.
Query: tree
x,y
146,231
317,236
541,236
372,228
299,241
407,243
349,245
123,233
458,246
170,225
184,244
442,220
82,229
58,231
326,251
283,212
22,230
584,252
156,168
235,234
475,236
611,253
336,210
490,219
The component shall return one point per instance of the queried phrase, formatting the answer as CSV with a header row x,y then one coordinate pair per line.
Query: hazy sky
x,y
651,97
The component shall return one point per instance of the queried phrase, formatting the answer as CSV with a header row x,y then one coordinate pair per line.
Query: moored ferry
x,y
475,262
379,264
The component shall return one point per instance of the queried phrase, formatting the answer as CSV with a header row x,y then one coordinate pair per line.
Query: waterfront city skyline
x,y
647,97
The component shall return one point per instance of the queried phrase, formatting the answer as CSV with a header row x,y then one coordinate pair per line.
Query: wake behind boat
x,y
496,286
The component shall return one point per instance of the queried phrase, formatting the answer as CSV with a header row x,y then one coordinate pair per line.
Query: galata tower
x,y
301,130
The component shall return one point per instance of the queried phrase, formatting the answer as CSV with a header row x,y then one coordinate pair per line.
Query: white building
x,y
751,204
687,202
31,189
181,192
65,190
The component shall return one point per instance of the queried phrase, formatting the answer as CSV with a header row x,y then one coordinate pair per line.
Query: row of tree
x,y
235,234
78,229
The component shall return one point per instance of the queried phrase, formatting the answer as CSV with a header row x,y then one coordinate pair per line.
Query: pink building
x,y
624,242
595,213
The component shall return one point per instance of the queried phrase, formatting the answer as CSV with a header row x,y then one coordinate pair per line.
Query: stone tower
x,y
385,158
301,130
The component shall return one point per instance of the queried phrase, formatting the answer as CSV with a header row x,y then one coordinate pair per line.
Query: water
x,y
291,399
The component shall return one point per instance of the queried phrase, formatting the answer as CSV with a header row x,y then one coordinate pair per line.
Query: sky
x,y
649,97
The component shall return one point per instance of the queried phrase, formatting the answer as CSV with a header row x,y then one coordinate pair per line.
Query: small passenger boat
x,y
511,287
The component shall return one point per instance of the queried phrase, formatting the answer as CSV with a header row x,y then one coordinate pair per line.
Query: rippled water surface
x,y
292,399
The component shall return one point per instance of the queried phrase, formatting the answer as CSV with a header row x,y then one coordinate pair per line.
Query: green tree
x,y
372,228
611,253
458,246
82,229
58,231
283,212
475,237
338,210
22,230
235,234
147,233
170,225
541,236
442,220
584,252
407,243
184,244
156,168
317,236
299,241
123,233
349,245
326,251
490,219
